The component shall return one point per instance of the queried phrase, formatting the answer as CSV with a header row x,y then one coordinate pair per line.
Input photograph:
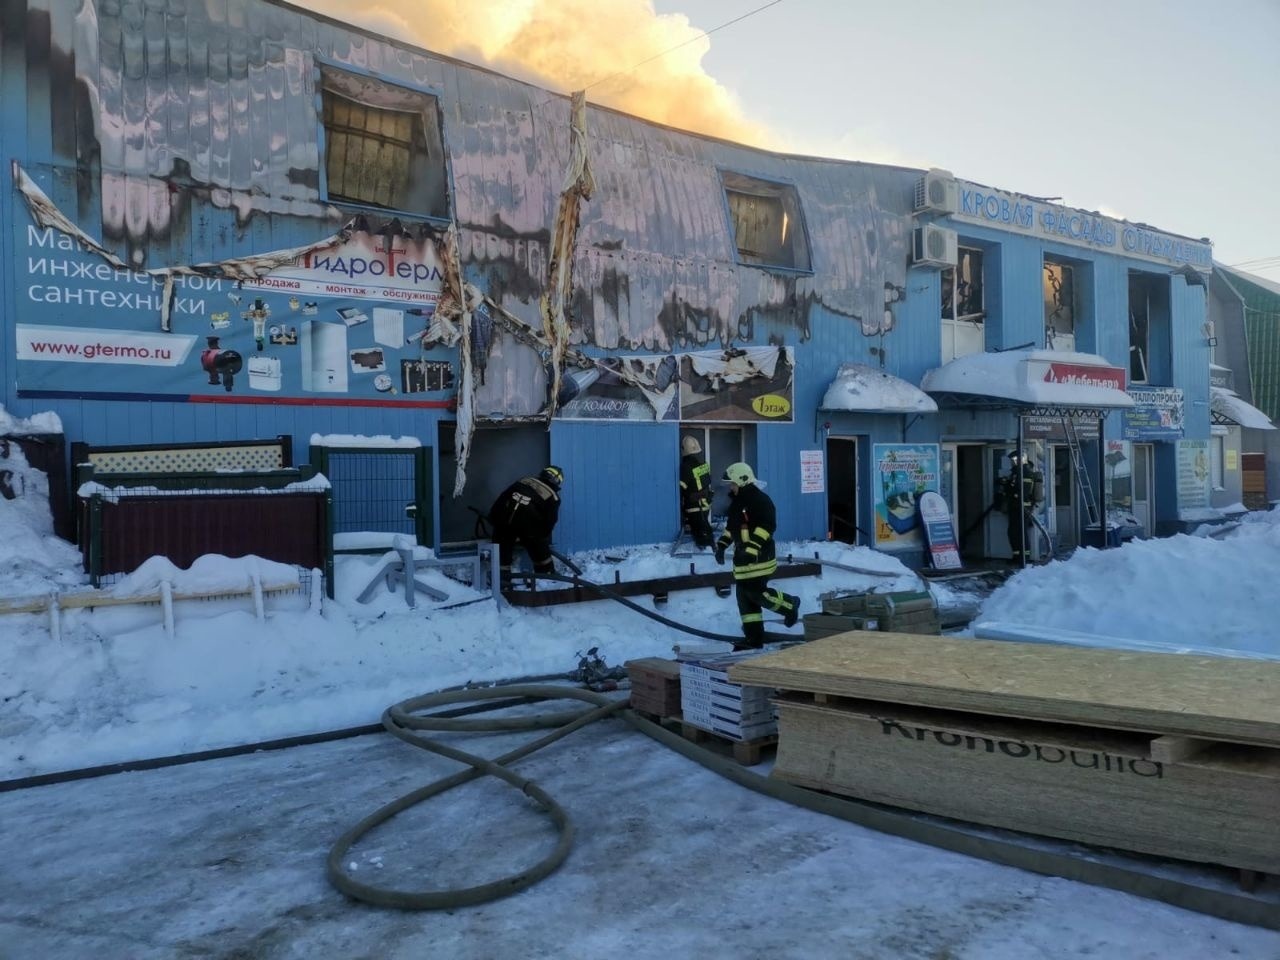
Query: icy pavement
x,y
226,859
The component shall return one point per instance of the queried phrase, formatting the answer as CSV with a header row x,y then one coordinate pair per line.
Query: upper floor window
x,y
1148,327
1061,305
765,217
963,306
383,146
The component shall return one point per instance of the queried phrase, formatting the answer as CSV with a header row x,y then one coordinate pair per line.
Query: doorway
x,y
499,457
972,497
1143,486
842,489
721,446
1063,507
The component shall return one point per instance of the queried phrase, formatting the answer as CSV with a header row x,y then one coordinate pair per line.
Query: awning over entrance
x,y
1226,405
1040,379
859,388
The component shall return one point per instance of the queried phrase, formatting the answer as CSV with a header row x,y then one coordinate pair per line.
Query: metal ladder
x,y
1083,482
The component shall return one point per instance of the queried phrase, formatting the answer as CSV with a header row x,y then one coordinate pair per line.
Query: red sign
x,y
1086,375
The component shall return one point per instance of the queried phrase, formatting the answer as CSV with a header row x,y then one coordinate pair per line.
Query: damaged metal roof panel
x,y
186,109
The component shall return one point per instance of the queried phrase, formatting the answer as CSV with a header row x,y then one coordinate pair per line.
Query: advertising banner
x,y
1194,476
1157,414
939,532
902,474
622,388
340,325
751,385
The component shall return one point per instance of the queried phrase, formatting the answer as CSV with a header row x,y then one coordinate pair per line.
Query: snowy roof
x,y
858,387
1226,403
1035,378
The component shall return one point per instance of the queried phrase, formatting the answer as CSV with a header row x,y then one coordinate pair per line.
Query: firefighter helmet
x,y
740,474
690,445
552,476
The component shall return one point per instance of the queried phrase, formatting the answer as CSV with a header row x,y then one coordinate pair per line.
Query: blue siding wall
x,y
620,482
1191,354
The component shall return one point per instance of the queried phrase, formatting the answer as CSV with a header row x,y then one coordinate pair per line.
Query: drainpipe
x,y
1022,507
1102,480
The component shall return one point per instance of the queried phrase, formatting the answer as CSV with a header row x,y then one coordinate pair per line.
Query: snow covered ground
x,y
225,858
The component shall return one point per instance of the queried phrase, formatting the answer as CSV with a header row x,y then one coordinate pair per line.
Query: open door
x,y
842,489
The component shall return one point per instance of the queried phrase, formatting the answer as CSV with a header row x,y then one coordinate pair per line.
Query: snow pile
x,y
208,574
32,560
1184,591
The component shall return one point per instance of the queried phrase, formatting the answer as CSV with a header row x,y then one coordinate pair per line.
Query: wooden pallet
x,y
746,752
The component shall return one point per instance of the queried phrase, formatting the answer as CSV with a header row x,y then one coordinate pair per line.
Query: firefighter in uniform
x,y
1020,513
695,497
526,513
752,521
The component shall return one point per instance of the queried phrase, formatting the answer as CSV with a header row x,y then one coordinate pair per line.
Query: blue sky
x,y
1164,112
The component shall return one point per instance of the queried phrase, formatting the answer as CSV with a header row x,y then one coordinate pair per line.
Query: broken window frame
x,y
792,252
1066,287
974,303
1139,328
419,185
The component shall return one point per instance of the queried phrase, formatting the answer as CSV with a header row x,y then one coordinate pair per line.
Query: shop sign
x,y
1085,375
745,385
1036,427
1157,414
344,325
1050,221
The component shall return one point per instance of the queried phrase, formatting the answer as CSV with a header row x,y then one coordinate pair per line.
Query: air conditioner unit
x,y
937,191
934,246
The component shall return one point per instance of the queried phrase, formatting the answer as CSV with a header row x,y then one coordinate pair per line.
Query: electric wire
x,y
658,56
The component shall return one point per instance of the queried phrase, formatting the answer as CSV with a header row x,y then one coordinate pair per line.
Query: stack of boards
x,y
1167,754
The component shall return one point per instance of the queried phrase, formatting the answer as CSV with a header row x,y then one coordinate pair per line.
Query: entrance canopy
x,y
1227,407
1038,379
862,389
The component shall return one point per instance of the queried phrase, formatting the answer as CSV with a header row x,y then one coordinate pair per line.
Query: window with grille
x,y
766,222
383,145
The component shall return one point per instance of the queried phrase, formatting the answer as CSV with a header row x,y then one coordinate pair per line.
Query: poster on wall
x,y
1194,475
740,385
902,474
812,478
622,388
1156,414
347,324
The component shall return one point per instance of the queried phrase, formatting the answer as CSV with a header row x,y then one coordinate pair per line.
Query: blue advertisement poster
x,y
1157,414
902,474
344,325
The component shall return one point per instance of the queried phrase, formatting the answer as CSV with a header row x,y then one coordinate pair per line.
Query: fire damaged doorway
x,y
500,455
842,489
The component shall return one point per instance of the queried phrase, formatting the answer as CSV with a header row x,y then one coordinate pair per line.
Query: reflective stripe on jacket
x,y
751,523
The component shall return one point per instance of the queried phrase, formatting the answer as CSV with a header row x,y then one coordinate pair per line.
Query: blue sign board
x,y
1156,415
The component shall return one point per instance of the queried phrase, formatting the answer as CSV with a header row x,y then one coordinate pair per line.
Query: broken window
x,y
963,309
1147,314
1060,305
765,218
383,146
